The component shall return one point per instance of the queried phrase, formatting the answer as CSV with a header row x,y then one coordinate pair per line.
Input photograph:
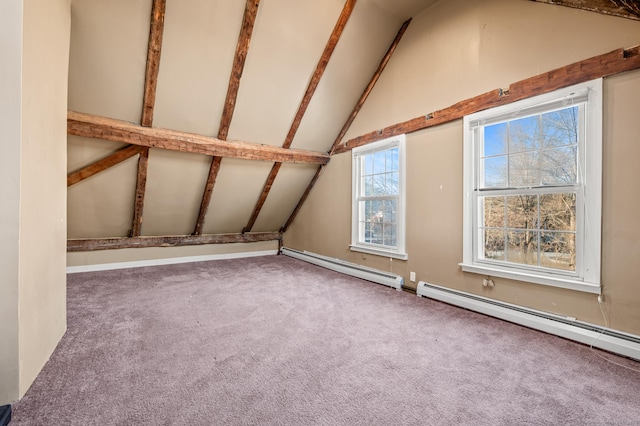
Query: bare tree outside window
x,y
533,161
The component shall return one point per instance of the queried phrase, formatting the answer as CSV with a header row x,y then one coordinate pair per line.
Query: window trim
x,y
400,251
589,214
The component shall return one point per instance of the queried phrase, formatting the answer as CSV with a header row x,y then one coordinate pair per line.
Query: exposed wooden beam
x,y
615,62
242,48
153,61
76,245
356,109
370,86
263,196
94,126
103,164
208,192
302,200
304,104
622,8
319,71
141,185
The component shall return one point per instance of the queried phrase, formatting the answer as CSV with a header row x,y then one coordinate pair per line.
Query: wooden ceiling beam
x,y
103,164
154,50
304,104
354,113
93,126
207,194
141,185
91,244
615,62
242,49
372,82
629,9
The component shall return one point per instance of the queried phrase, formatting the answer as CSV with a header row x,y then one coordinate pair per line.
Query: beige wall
x,y
455,50
42,299
34,39
10,87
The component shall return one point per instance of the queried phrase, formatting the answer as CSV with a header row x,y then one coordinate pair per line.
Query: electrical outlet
x,y
412,277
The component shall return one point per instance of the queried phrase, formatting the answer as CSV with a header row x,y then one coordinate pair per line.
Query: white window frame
x,y
357,243
589,200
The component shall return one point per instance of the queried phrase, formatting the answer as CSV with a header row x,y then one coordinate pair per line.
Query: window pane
x,y
369,186
524,134
495,172
495,140
524,169
558,211
560,128
391,181
368,165
522,211
368,233
493,212
390,211
390,235
392,159
558,250
522,247
494,244
378,162
559,166
378,185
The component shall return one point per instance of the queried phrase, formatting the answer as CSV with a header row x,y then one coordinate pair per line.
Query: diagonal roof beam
x,y
629,9
154,50
156,31
103,164
242,48
614,62
304,104
97,127
356,109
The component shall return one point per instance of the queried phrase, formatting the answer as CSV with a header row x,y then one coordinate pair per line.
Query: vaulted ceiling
x,y
191,118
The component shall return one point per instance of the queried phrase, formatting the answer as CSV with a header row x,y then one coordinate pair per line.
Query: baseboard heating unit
x,y
600,337
355,270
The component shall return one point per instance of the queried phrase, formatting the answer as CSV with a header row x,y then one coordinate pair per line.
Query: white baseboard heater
x,y
353,269
600,337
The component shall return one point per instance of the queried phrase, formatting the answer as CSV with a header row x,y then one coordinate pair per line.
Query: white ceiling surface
x,y
106,77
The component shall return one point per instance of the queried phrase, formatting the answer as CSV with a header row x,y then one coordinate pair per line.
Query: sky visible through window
x,y
535,227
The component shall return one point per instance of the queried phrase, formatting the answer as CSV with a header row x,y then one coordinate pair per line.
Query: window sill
x,y
554,281
378,252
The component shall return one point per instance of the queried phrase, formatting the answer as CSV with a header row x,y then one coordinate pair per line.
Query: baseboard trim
x,y
611,340
166,261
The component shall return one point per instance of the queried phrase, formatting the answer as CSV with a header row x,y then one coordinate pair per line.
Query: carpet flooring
x,y
276,341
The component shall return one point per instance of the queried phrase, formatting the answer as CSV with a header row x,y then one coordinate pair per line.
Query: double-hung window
x,y
378,188
533,186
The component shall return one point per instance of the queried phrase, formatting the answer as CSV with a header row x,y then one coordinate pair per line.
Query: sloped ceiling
x,y
107,78
163,192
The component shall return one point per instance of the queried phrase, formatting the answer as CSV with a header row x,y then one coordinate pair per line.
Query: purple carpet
x,y
276,341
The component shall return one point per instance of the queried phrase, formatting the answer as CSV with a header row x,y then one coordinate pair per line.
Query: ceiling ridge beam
x,y
356,109
103,164
304,104
91,244
629,9
97,127
614,62
242,49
